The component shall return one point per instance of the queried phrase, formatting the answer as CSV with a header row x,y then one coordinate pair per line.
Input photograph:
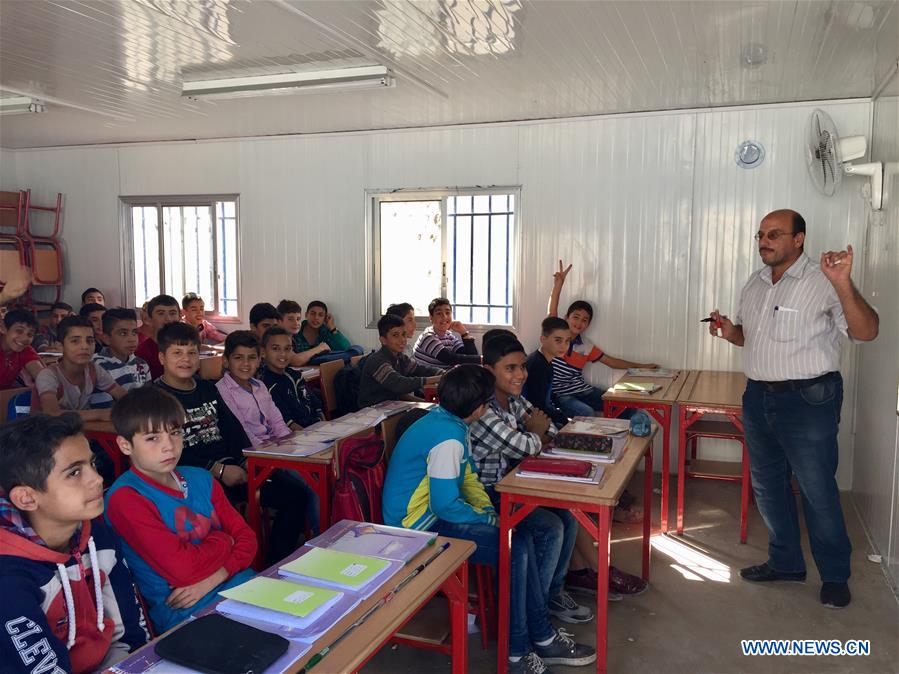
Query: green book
x,y
338,569
281,595
636,387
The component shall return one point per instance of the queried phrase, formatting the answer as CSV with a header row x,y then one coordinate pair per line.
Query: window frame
x,y
373,198
178,200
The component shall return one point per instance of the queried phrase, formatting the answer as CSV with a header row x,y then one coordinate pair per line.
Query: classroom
x,y
395,336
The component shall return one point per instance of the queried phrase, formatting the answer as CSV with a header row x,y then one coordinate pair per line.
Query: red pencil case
x,y
569,467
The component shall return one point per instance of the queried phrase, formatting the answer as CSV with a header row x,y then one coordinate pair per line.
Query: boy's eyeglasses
x,y
773,235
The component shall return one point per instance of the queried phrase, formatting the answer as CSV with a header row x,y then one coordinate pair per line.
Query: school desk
x,y
318,470
520,495
103,433
314,469
447,574
211,366
660,405
721,393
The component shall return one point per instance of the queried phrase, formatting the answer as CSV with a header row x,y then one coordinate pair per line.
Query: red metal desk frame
x,y
515,507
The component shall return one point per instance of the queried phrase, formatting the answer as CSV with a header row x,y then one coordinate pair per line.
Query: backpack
x,y
346,387
357,492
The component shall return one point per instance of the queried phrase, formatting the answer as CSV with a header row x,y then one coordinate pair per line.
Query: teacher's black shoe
x,y
762,573
835,595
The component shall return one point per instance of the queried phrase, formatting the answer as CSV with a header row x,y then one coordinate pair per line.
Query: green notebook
x,y
636,387
341,569
281,595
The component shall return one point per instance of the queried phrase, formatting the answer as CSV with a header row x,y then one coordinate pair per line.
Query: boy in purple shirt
x,y
252,405
247,397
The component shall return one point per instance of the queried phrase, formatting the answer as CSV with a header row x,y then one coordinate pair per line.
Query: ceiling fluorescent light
x,y
363,77
17,105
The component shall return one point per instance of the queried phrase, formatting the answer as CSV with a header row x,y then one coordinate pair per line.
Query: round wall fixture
x,y
750,154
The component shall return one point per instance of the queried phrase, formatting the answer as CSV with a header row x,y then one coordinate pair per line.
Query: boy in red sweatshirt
x,y
181,537
68,604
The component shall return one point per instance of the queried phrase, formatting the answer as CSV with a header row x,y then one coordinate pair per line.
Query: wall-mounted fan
x,y
830,156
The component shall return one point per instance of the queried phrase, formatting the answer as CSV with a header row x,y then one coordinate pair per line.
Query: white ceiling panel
x,y
111,70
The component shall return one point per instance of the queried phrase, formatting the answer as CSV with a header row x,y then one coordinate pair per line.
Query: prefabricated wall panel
x,y
875,483
650,208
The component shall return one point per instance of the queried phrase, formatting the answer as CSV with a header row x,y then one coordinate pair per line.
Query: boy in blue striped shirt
x,y
117,357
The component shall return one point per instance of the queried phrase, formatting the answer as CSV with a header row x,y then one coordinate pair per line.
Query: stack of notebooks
x,y
327,579
593,439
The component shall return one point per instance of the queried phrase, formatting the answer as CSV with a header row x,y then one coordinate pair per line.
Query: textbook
x,y
375,540
591,475
335,569
643,388
282,596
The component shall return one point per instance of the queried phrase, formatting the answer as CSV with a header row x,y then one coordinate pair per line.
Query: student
x,y
92,296
252,405
389,374
555,338
262,317
117,357
298,406
575,397
94,313
292,321
16,336
407,312
193,311
145,328
247,397
68,602
510,430
161,310
439,345
46,338
68,385
432,485
182,539
319,328
215,440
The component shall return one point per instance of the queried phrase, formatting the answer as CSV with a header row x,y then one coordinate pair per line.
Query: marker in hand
x,y
716,319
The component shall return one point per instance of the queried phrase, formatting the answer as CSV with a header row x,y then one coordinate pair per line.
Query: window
x,y
183,244
457,244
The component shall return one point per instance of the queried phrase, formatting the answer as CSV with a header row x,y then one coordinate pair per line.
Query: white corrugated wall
x,y
650,208
875,484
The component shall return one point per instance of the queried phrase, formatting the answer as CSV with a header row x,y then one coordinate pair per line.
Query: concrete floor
x,y
690,623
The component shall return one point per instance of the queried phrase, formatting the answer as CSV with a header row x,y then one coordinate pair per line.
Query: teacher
x,y
792,313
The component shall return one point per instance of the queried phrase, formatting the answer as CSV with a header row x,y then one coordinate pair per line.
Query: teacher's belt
x,y
794,384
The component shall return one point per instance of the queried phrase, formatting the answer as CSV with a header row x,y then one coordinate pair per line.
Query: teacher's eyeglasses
x,y
773,235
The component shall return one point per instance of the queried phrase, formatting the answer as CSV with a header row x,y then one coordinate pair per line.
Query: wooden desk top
x,y
606,493
324,457
713,389
350,653
671,387
99,427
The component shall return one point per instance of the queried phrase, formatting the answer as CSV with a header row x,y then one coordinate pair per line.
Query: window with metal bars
x,y
177,245
459,244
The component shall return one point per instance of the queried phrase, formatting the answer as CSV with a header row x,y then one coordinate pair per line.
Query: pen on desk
x,y
315,659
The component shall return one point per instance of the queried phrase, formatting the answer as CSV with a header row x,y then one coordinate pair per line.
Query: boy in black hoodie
x,y
68,601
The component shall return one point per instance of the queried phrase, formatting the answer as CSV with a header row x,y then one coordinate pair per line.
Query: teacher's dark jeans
x,y
797,431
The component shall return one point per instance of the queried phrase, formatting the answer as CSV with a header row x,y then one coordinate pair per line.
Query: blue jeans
x,y
528,617
797,431
585,404
553,532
